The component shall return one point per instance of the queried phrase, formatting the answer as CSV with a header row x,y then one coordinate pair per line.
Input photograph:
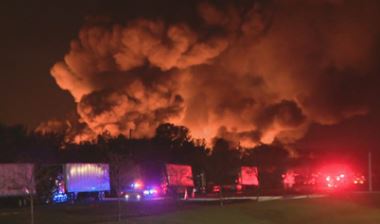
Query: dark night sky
x,y
36,34
33,38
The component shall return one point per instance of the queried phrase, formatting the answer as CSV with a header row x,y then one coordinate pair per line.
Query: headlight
x,y
126,196
138,197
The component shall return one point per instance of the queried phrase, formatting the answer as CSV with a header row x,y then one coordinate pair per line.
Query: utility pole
x,y
370,172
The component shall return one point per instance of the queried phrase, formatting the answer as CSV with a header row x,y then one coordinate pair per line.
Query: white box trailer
x,y
249,175
179,175
16,179
87,177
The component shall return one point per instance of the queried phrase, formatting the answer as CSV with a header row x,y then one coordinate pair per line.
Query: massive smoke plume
x,y
251,73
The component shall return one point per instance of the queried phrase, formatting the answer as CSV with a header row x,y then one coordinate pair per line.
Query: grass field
x,y
360,208
354,209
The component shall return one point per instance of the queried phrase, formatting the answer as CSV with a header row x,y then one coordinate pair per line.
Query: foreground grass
x,y
348,209
324,210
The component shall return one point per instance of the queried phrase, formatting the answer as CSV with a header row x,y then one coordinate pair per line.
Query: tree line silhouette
x,y
171,144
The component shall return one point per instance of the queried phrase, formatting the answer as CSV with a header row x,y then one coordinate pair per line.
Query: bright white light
x,y
146,192
126,196
138,197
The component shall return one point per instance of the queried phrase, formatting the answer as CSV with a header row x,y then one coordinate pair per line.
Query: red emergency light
x,y
335,177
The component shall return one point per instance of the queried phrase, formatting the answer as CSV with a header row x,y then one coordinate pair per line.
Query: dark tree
x,y
224,163
272,161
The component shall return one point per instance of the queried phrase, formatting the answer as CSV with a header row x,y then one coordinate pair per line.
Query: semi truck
x,y
82,180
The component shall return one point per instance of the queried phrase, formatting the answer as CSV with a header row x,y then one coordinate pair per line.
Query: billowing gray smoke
x,y
249,74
